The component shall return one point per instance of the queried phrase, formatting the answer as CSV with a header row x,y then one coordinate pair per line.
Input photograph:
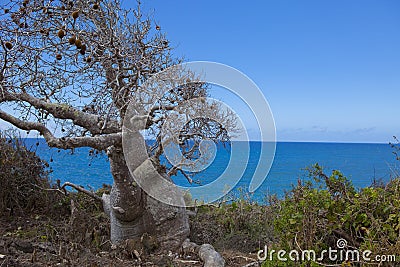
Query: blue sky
x,y
329,69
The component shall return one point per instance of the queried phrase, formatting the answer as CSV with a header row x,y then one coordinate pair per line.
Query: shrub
x,y
239,224
23,178
315,214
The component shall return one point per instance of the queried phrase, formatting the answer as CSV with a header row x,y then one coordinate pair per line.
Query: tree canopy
x,y
69,70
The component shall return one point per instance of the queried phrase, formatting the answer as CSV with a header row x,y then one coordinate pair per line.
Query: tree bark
x,y
133,213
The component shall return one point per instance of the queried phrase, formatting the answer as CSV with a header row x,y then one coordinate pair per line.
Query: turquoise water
x,y
362,163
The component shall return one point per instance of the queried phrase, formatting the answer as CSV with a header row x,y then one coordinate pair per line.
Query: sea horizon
x,y
278,141
362,163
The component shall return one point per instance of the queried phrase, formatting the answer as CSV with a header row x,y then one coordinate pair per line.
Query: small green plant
x,y
23,177
239,224
396,147
315,214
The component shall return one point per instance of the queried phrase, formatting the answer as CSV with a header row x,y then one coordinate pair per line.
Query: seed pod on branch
x,y
72,40
78,43
75,14
8,45
61,34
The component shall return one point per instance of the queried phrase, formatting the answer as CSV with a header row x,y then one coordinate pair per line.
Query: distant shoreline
x,y
258,141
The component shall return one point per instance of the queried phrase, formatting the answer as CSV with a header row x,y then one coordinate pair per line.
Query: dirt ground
x,y
38,240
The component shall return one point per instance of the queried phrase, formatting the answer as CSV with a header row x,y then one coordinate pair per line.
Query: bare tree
x,y
68,70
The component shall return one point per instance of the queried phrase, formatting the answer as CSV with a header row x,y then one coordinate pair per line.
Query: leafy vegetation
x,y
241,225
313,215
23,178
316,214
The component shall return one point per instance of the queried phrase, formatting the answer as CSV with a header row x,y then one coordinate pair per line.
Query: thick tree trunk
x,y
133,213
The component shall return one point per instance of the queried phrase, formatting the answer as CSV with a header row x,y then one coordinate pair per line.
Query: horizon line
x,y
280,141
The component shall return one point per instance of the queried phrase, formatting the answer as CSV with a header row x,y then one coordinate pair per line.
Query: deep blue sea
x,y
361,163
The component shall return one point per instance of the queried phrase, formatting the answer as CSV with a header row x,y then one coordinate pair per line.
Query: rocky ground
x,y
82,240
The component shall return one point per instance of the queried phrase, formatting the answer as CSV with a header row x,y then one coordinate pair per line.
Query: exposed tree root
x,y
206,252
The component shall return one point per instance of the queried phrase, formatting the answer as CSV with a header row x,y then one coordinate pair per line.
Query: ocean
x,y
361,163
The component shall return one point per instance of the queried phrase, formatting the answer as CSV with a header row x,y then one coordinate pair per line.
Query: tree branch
x,y
93,123
100,142
81,189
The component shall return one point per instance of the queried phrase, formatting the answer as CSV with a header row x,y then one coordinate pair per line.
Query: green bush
x,y
23,178
239,224
315,214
